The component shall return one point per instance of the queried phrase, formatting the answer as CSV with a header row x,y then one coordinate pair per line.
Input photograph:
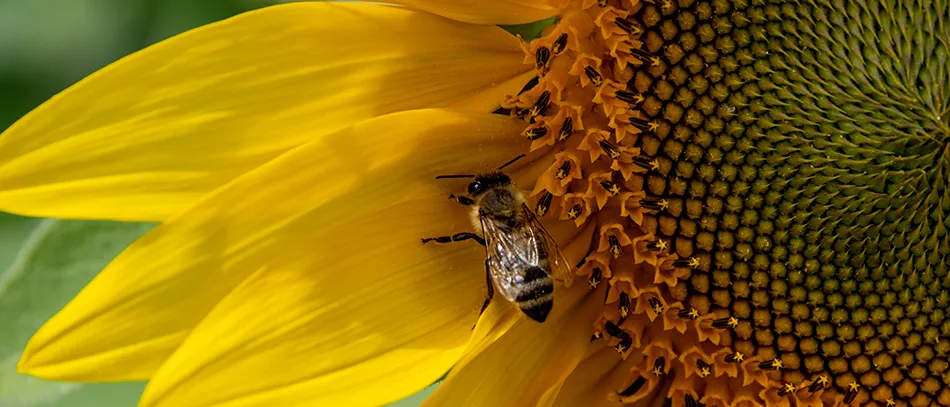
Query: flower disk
x,y
770,183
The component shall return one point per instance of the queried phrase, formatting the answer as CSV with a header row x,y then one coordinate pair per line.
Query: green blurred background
x,y
46,45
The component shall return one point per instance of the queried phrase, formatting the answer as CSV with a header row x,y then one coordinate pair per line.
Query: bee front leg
x,y
491,288
458,237
462,199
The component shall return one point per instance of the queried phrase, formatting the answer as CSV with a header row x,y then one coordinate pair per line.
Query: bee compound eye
x,y
474,188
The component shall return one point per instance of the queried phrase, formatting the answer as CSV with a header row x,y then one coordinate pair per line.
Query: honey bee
x,y
521,258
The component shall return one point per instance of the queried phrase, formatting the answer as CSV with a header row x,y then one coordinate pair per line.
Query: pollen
x,y
770,180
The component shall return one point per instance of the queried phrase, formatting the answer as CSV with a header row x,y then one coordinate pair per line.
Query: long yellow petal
x,y
485,11
530,358
150,134
143,305
361,315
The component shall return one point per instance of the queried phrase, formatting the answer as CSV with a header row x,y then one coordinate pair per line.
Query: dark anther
x,y
597,335
818,384
541,58
624,305
541,105
787,389
633,388
657,245
690,401
730,322
641,124
689,262
502,111
611,150
629,97
610,187
594,76
656,305
773,364
574,212
566,129
656,205
852,393
530,85
642,55
595,277
690,313
625,340
559,44
703,369
564,170
659,367
735,357
537,132
522,113
602,3
544,203
627,27
614,330
646,163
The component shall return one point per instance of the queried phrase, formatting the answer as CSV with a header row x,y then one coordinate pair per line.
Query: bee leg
x,y
491,292
458,237
462,199
491,288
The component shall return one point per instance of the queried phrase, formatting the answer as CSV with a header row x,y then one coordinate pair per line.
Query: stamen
x,y
689,313
615,248
623,306
657,245
703,368
787,389
594,76
559,44
575,211
534,133
544,203
542,58
610,187
820,383
628,27
633,388
646,163
656,305
730,322
594,279
541,105
690,401
735,358
656,205
690,262
852,392
625,340
643,125
773,364
629,97
611,150
659,367
564,170
567,128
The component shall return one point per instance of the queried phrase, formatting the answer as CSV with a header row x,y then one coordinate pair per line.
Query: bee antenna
x,y
455,176
512,161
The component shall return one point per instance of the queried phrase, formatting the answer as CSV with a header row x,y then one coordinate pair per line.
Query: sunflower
x,y
755,191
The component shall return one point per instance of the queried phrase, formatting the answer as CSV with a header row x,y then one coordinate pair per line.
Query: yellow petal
x,y
140,308
361,315
520,367
485,11
147,136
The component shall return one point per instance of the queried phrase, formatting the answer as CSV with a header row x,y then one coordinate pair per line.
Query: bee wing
x,y
561,270
509,255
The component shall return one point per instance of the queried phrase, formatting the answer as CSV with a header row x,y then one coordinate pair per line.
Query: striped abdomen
x,y
536,296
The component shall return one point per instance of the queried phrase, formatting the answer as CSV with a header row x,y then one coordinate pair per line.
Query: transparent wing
x,y
511,252
509,255
560,269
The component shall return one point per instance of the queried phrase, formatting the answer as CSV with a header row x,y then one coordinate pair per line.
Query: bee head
x,y
485,182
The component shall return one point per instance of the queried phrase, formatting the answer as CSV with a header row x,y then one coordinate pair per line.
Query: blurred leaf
x,y
43,264
529,31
